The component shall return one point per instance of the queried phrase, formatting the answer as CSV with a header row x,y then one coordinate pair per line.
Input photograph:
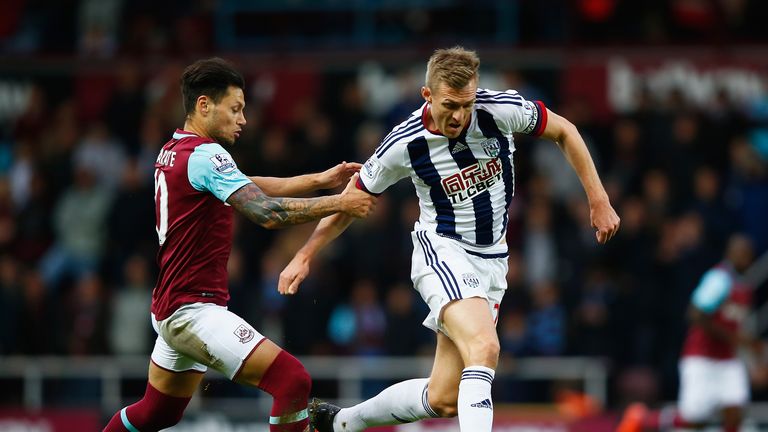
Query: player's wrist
x,y
315,181
342,204
304,255
598,200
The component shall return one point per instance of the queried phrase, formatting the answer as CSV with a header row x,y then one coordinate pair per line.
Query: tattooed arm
x,y
271,212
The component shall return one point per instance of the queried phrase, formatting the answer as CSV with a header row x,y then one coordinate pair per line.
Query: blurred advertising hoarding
x,y
50,420
613,83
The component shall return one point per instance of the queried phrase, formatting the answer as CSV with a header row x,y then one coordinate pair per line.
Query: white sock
x,y
475,405
404,402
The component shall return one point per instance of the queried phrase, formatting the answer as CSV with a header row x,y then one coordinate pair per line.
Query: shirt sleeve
x,y
516,114
212,169
382,171
713,289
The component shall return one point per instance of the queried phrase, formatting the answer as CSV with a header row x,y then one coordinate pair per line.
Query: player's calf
x,y
155,411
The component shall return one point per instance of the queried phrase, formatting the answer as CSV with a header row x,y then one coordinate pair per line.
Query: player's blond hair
x,y
454,66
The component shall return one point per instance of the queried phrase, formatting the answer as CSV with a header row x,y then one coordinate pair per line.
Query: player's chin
x,y
452,132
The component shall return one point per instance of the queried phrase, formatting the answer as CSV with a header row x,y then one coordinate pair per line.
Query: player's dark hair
x,y
210,77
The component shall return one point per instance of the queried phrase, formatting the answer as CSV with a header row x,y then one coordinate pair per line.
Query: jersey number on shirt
x,y
161,203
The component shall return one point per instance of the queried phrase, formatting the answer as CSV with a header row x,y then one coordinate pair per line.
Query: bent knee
x,y
286,377
294,373
301,382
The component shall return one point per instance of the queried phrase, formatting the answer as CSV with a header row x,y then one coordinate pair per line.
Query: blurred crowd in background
x,y
77,239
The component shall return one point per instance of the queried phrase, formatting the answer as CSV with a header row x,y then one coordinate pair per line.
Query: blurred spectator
x,y
125,108
658,198
708,202
131,218
130,304
592,315
34,221
11,294
403,335
539,247
80,223
628,164
98,22
102,155
84,326
748,188
31,122
547,321
7,217
514,337
57,146
39,320
358,326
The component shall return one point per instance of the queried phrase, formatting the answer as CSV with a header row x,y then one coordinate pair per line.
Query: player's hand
x,y
356,202
605,220
337,175
292,276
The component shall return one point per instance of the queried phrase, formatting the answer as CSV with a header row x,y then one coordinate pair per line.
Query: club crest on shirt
x,y
471,280
244,333
371,167
491,147
222,163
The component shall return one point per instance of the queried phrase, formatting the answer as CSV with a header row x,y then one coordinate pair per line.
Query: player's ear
x,y
426,93
203,104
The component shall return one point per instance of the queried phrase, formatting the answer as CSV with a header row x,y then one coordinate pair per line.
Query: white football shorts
x,y
708,385
442,271
202,335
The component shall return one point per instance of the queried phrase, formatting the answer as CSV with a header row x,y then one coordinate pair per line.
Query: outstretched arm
x,y
297,270
271,212
304,184
602,215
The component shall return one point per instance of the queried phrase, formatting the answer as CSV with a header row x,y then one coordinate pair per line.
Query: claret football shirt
x,y
194,176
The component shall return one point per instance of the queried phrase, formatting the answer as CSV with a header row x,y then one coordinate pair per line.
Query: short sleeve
x,y
517,115
212,169
382,171
714,288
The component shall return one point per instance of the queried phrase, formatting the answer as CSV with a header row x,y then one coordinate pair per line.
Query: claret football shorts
x,y
443,270
202,335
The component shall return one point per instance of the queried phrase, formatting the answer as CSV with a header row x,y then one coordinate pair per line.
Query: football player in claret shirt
x,y
197,188
713,379
457,150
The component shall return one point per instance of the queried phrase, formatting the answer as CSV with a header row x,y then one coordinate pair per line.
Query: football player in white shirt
x,y
457,149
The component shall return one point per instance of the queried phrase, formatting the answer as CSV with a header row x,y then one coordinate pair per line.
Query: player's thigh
x,y
698,397
444,380
178,384
471,327
257,363
212,336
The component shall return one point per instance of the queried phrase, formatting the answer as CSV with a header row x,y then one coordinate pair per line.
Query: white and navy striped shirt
x,y
465,184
